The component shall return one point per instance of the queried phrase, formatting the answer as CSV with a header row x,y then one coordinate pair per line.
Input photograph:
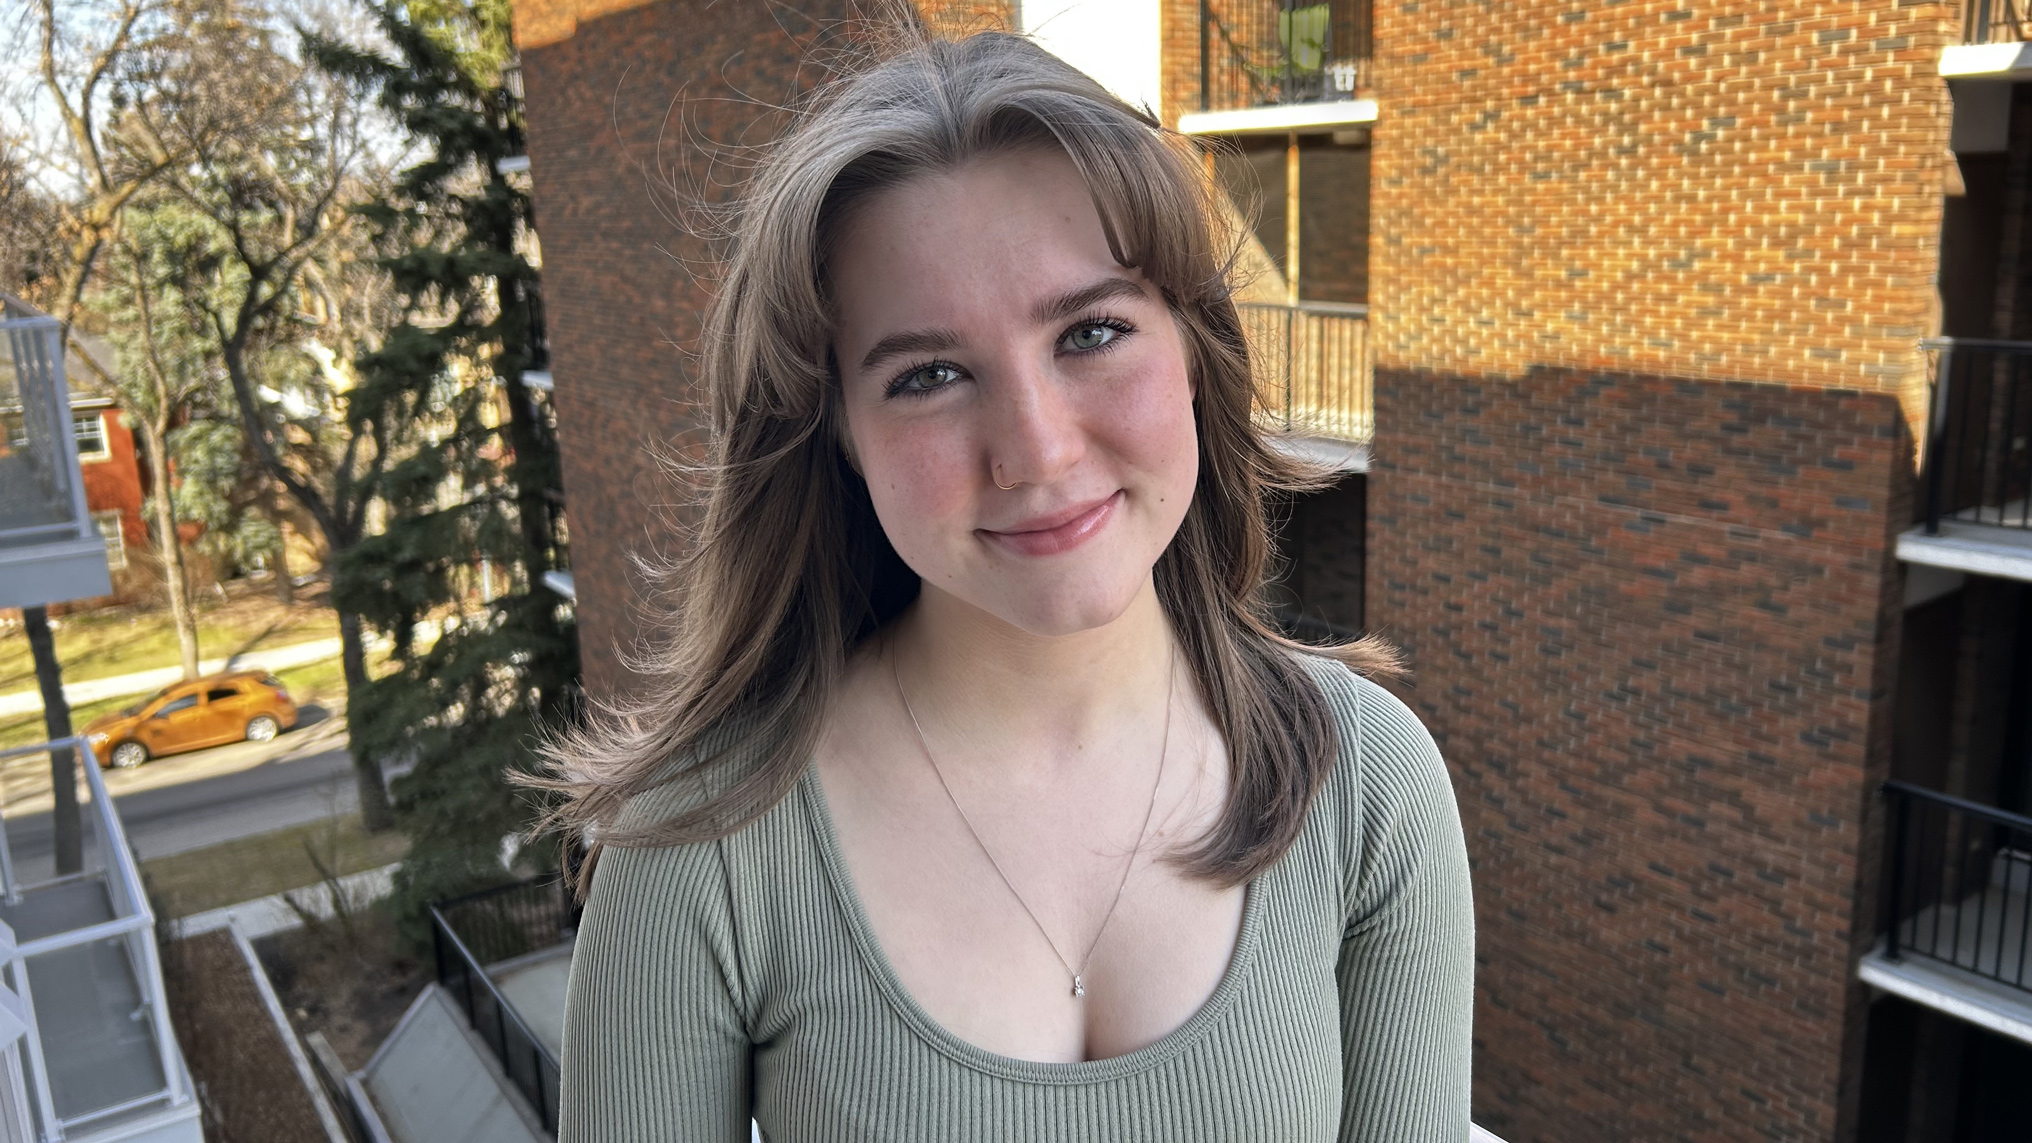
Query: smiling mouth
x,y
1058,531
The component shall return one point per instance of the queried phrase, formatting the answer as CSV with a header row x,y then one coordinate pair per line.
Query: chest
x,y
1038,922
1260,1058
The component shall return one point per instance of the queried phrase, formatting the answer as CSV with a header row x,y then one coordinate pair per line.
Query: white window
x,y
90,429
116,540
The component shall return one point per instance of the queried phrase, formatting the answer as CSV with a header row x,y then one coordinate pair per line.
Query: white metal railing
x,y
132,923
38,449
1314,376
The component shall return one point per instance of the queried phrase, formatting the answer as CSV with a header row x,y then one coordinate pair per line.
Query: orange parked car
x,y
238,705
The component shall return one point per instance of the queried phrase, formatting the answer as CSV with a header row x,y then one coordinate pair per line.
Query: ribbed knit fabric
x,y
740,978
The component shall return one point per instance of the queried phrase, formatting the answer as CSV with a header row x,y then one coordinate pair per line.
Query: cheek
x,y
918,478
1150,424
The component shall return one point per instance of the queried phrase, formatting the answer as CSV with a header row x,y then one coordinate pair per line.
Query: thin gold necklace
x,y
1079,984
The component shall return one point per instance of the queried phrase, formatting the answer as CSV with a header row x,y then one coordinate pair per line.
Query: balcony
x,y
1978,480
504,955
96,1059
1993,42
1281,66
49,547
1314,384
1957,924
475,1057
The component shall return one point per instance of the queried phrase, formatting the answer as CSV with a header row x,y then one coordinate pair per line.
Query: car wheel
x,y
128,755
261,728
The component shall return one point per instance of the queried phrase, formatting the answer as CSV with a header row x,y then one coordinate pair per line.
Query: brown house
x,y
1631,322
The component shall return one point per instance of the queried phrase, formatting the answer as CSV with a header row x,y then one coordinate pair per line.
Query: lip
x,y
1055,532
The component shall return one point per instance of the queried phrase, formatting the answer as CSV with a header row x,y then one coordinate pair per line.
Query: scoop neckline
x,y
970,1054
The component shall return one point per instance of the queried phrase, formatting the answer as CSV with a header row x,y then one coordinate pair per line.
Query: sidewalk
x,y
264,916
142,682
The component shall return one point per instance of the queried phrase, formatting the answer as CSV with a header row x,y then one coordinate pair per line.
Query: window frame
x,y
97,417
116,555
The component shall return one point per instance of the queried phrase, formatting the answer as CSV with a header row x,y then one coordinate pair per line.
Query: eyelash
x,y
899,387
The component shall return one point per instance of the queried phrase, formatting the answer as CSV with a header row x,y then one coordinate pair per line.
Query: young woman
x,y
980,799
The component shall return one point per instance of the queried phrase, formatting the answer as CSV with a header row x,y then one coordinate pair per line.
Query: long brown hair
x,y
790,570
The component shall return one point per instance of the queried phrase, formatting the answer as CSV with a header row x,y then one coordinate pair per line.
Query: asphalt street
x,y
206,797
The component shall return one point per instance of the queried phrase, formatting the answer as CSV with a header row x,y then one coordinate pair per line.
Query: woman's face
x,y
987,337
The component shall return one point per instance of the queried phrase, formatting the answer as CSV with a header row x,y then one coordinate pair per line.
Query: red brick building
x,y
1626,320
113,492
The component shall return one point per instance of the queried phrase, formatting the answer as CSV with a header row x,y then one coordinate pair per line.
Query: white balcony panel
x,y
1277,119
1986,61
1339,455
1978,549
62,569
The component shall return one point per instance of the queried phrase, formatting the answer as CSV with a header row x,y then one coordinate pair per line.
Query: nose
x,y
1034,433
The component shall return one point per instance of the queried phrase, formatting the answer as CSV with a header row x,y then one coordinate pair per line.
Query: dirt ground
x,y
352,987
247,1084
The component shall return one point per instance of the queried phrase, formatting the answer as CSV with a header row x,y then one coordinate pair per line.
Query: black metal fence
x,y
538,332
1996,21
470,933
1956,882
1254,53
1979,433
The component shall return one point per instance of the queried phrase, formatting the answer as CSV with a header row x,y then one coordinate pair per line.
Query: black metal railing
x,y
537,332
1979,425
1956,880
1996,21
1254,53
472,932
513,920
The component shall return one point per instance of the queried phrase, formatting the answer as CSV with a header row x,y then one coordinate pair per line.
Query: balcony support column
x,y
1291,218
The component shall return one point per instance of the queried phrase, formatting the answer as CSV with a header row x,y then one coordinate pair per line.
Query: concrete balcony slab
x,y
1942,987
1977,549
1280,118
1986,61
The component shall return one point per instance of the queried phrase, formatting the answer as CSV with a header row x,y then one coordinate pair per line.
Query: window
x,y
182,704
221,695
116,539
90,429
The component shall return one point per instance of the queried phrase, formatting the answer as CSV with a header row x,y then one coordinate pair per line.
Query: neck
x,y
1050,695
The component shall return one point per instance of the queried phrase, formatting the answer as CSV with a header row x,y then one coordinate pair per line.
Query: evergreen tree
x,y
474,679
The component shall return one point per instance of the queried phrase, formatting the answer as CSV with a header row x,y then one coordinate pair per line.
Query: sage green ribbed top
x,y
740,978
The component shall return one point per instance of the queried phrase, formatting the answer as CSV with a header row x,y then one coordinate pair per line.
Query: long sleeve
x,y
1406,969
656,1049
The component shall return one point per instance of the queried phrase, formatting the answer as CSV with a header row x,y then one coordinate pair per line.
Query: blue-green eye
x,y
1088,336
926,378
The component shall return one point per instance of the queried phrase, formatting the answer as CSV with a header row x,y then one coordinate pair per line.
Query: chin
x,y
1065,609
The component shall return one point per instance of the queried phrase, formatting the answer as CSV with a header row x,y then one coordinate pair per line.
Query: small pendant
x,y
1079,987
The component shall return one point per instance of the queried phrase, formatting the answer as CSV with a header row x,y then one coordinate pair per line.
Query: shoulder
x,y
1389,800
1380,738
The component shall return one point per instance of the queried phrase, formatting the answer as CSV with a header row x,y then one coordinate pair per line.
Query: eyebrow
x,y
1073,301
1050,310
914,341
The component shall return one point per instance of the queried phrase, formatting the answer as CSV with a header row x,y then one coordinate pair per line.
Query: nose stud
x,y
998,480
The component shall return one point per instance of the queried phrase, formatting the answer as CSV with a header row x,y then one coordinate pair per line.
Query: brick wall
x,y
113,483
1653,625
1737,190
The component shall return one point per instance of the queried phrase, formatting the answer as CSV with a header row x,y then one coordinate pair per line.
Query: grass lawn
x,y
236,871
115,641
